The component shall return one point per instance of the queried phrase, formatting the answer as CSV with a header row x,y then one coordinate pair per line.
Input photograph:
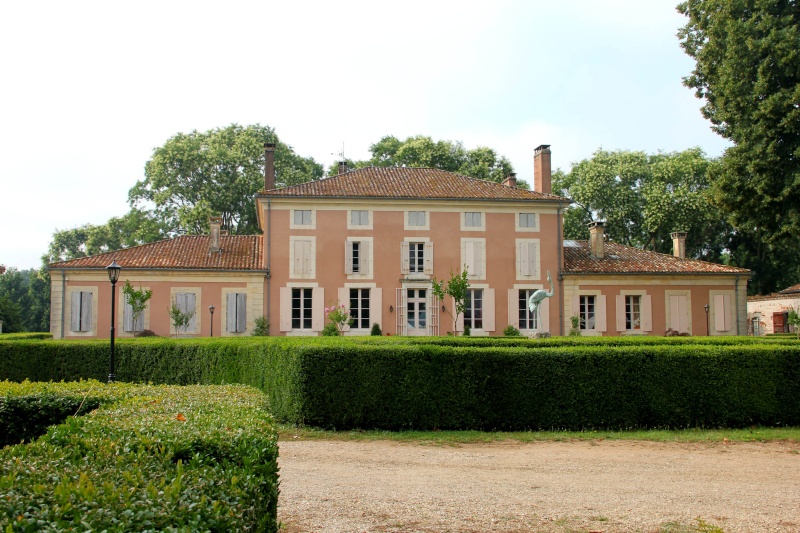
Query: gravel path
x,y
354,486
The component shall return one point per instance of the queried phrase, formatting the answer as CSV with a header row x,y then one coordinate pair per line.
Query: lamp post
x,y
211,309
708,330
113,275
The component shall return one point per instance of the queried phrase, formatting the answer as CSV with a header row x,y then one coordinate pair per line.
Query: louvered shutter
x,y
488,310
722,312
428,258
533,259
468,253
376,306
127,316
404,258
513,307
647,312
348,257
317,309
400,310
191,306
522,259
600,313
544,315
86,311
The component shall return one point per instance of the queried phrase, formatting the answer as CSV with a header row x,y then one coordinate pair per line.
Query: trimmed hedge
x,y
26,336
461,383
158,458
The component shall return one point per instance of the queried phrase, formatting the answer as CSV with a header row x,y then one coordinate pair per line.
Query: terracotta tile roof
x,y
188,252
408,182
791,290
626,259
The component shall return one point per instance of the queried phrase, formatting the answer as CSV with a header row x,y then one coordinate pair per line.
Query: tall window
x,y
301,308
472,219
302,217
359,308
128,323
416,218
356,257
81,311
586,312
359,218
633,315
473,312
416,257
527,319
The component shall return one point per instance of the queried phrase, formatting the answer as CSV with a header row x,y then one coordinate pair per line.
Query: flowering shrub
x,y
340,316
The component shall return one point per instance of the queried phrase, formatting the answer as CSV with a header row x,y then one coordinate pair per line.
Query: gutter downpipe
x,y
269,259
736,292
560,277
63,298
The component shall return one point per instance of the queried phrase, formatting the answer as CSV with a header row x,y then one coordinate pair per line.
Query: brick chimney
x,y
214,234
541,169
269,166
342,167
510,180
679,244
597,239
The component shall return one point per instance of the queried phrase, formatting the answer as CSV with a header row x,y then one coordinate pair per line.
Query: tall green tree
x,y
747,73
25,300
216,173
422,151
643,198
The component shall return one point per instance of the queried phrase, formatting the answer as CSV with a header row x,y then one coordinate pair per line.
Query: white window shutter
x,y
488,310
400,311
460,321
544,315
513,307
522,259
191,305
348,257
75,314
533,259
404,260
467,252
364,264
620,312
376,306
230,311
600,313
683,310
86,311
286,309
428,258
317,309
241,312
728,312
480,260
647,312
719,312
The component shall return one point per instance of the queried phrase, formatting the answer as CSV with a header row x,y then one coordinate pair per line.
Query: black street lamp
x,y
113,275
708,329
211,308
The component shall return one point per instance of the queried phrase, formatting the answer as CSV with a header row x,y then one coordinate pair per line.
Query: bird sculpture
x,y
539,296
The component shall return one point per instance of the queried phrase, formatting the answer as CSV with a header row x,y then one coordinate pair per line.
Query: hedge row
x,y
458,384
26,336
156,459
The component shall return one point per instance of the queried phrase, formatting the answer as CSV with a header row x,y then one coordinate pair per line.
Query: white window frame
x,y
480,227
308,269
513,308
317,309
672,314
91,322
600,312
405,258
527,270
422,227
366,226
535,317
242,325
295,225
473,257
195,324
125,309
645,312
366,262
518,221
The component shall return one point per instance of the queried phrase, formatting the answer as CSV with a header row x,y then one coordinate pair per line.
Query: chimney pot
x,y
214,234
541,169
269,166
679,244
510,180
342,167
597,239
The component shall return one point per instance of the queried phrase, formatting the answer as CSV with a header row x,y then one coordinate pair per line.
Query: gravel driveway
x,y
356,486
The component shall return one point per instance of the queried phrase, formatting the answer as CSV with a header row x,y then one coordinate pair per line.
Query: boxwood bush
x,y
150,458
462,383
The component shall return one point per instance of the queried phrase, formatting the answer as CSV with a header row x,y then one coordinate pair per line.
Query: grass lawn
x,y
754,434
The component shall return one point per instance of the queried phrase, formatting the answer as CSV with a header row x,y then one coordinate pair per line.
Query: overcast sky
x,y
89,89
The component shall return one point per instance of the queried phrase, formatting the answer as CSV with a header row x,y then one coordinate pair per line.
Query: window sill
x,y
302,333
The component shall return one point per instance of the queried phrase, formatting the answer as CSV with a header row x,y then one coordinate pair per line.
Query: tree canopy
x,y
25,300
747,73
643,198
216,173
422,151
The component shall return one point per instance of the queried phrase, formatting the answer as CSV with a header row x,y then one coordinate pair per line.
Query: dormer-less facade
x,y
372,239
